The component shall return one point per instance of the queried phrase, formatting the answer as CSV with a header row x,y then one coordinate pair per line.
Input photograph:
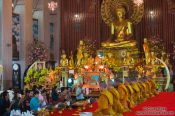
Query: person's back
x,y
34,102
54,94
26,104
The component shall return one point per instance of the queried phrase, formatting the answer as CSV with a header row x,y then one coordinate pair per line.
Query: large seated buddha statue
x,y
120,16
122,29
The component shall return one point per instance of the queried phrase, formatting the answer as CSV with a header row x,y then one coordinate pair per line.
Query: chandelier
x,y
52,5
138,2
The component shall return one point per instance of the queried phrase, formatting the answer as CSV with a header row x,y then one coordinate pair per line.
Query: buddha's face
x,y
64,56
86,55
120,13
145,40
81,42
110,55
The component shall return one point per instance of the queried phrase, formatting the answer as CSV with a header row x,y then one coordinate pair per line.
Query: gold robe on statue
x,y
117,106
105,103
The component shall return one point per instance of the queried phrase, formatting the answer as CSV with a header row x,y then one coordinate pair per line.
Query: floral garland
x,y
37,52
44,77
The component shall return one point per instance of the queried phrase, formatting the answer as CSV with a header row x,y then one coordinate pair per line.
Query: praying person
x,y
79,92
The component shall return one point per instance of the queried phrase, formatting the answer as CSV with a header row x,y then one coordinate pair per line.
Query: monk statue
x,y
117,106
137,93
71,61
130,96
123,91
105,102
80,52
63,60
147,51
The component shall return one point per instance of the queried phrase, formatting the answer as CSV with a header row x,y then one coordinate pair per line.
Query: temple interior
x,y
87,57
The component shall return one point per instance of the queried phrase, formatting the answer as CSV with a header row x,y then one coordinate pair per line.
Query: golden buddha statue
x,y
121,16
167,60
109,60
71,61
128,60
147,51
63,60
84,60
121,28
80,52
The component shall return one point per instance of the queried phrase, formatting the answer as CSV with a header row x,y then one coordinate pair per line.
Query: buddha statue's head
x,y
110,55
81,42
64,56
85,54
120,12
145,40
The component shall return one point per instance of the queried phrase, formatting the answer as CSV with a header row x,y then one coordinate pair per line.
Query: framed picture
x,y
16,34
35,29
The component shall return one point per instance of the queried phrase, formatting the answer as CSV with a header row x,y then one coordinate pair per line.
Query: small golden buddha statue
x,y
71,61
163,56
147,51
85,58
63,60
153,59
80,52
128,60
167,59
109,60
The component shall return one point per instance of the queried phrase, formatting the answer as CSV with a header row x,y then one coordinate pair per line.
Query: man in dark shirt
x,y
6,107
26,103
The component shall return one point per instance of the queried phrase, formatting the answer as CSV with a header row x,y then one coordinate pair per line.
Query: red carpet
x,y
74,112
164,104
160,105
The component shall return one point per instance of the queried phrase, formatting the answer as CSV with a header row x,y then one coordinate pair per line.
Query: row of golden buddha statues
x,y
114,101
84,57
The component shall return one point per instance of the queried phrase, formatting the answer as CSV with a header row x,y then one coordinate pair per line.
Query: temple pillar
x,y
27,26
6,41
45,24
